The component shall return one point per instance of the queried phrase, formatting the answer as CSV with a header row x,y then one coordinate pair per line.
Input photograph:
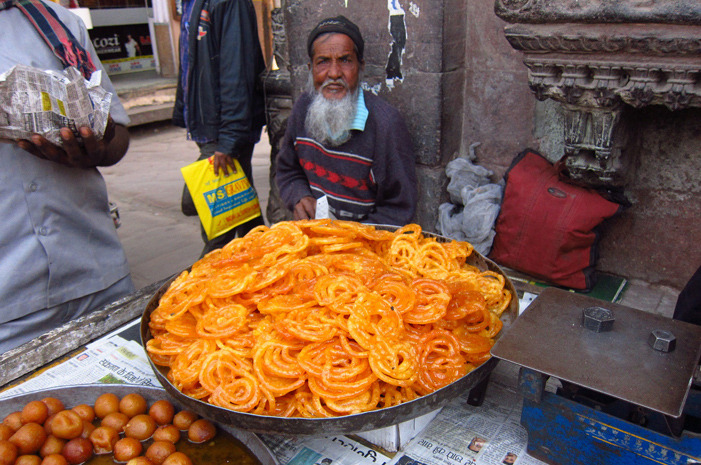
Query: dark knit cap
x,y
341,25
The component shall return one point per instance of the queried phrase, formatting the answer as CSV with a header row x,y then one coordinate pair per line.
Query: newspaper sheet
x,y
490,434
110,360
42,102
324,450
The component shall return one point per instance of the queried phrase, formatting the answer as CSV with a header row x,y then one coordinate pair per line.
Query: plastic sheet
x,y
475,203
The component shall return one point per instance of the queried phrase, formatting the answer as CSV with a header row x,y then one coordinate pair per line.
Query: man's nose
x,y
335,70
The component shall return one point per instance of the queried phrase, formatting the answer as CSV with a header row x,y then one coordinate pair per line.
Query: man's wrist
x,y
110,130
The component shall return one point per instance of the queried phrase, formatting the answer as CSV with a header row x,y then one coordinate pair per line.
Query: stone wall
x,y
463,83
657,239
639,60
414,59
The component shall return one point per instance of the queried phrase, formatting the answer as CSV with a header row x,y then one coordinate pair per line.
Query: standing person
x,y
60,256
219,98
343,143
132,47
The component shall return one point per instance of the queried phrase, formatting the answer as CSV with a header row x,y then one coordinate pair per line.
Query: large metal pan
x,y
87,393
359,422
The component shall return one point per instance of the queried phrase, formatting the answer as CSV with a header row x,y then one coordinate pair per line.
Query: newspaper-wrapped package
x,y
33,101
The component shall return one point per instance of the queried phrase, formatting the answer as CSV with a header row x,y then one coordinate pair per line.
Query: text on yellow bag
x,y
222,202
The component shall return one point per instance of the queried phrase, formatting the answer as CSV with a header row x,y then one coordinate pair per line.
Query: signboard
x,y
124,48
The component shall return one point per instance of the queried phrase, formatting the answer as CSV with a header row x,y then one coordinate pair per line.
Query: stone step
x,y
146,96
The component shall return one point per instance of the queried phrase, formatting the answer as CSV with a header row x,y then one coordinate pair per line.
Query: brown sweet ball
x,y
159,451
103,439
52,445
126,449
5,432
66,424
34,412
177,458
29,438
47,424
201,431
162,412
53,404
140,427
133,404
85,411
116,420
13,420
106,404
54,459
8,453
167,433
183,419
87,429
29,459
139,461
77,450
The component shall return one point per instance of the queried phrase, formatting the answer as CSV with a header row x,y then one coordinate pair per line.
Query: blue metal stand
x,y
561,431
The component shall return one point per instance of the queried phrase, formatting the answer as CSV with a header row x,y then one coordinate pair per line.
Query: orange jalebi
x,y
322,318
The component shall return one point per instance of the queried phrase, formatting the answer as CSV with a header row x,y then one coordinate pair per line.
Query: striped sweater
x,y
371,178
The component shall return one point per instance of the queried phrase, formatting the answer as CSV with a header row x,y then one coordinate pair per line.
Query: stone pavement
x,y
146,96
160,241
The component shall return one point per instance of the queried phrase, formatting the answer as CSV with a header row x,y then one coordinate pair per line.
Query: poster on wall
x,y
124,48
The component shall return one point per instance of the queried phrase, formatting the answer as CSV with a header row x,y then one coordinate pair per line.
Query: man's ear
x,y
309,65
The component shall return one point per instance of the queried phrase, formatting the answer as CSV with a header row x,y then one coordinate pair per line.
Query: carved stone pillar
x,y
278,101
599,59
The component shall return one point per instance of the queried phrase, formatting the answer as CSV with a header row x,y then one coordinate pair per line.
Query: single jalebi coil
x,y
323,318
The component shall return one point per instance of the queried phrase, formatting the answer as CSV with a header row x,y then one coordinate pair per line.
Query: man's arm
x,y
240,62
395,171
289,175
305,209
90,153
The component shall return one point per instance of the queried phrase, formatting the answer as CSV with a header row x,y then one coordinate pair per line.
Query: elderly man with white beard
x,y
343,145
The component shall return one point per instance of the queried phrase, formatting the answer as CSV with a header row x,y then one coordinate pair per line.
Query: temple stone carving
x,y
601,58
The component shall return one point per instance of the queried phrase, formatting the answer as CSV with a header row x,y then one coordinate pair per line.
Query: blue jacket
x,y
225,102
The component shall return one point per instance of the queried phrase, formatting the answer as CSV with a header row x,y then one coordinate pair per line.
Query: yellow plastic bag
x,y
222,202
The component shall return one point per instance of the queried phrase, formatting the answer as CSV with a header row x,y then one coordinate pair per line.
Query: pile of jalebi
x,y
323,318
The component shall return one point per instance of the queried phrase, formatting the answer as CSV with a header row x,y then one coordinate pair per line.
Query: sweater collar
x,y
361,113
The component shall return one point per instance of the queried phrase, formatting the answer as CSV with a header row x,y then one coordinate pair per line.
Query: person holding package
x,y
219,98
60,256
343,145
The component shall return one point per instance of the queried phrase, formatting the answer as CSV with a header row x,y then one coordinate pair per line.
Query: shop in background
x,y
124,48
122,32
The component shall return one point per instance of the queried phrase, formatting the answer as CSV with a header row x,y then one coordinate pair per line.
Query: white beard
x,y
329,121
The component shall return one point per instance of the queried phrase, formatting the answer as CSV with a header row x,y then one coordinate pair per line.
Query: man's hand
x,y
305,209
223,162
91,153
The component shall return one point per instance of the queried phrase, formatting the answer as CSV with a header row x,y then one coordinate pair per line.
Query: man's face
x,y
335,66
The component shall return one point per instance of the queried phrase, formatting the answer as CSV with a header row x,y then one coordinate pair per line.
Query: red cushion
x,y
547,227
